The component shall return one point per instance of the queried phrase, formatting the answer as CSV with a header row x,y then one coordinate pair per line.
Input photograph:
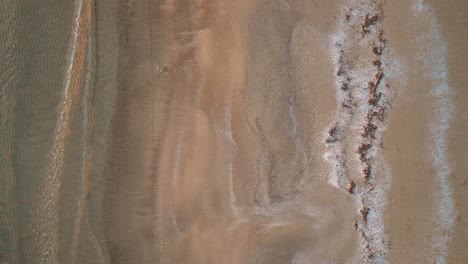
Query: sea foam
x,y
432,53
364,61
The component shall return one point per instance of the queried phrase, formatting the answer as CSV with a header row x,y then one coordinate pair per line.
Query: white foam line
x,y
300,156
336,154
293,132
233,149
49,237
224,131
175,173
87,152
433,55
348,37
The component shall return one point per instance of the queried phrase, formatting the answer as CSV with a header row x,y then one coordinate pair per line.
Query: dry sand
x,y
218,139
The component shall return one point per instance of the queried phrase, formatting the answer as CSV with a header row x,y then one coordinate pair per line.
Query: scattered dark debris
x,y
351,187
332,134
162,70
364,30
342,56
370,115
369,21
366,171
340,71
381,37
375,98
378,77
362,150
345,105
364,212
363,235
379,114
377,50
344,86
377,63
369,130
333,130
372,87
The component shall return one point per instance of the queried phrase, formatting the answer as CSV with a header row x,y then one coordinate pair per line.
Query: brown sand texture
x,y
292,131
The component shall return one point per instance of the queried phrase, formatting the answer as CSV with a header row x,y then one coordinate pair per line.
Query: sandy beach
x,y
224,157
226,108
247,131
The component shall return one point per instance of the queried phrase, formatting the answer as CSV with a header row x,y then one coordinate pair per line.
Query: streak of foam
x,y
175,173
49,236
232,155
88,123
432,52
224,130
336,154
300,154
293,132
353,74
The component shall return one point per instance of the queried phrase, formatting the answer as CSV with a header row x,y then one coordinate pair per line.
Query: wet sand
x,y
414,190
453,22
222,149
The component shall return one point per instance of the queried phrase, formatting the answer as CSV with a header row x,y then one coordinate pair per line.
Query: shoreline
x,y
238,164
